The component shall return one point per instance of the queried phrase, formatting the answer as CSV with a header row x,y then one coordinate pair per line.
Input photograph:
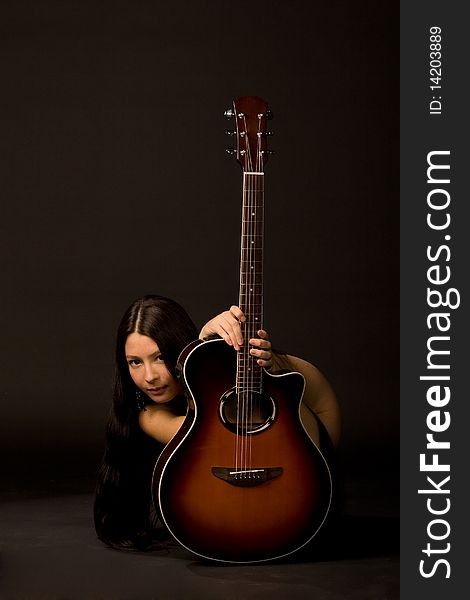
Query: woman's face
x,y
148,371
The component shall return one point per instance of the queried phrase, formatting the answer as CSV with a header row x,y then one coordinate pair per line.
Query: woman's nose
x,y
150,374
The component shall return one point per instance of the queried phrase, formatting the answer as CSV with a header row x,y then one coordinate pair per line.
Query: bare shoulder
x,y
147,418
160,421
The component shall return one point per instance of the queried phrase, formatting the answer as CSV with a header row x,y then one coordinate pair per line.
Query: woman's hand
x,y
228,326
262,349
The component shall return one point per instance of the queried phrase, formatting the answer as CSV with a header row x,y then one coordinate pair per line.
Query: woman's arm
x,y
319,399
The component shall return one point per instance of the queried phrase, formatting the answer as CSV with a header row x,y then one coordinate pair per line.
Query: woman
x,y
149,407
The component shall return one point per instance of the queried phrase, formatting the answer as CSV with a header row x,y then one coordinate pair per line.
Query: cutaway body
x,y
248,488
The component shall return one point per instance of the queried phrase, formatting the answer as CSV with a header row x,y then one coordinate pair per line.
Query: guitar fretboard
x,y
249,373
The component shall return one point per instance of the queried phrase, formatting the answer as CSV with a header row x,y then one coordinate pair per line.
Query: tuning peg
x,y
268,115
230,150
230,132
268,152
229,113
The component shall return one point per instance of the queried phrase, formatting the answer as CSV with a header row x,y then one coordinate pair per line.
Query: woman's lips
x,y
157,390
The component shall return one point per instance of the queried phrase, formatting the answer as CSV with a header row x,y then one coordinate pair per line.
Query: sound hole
x,y
246,413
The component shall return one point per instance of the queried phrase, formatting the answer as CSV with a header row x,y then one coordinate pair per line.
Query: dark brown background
x,y
115,183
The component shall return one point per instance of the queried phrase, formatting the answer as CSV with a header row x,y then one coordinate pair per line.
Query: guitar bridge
x,y
246,477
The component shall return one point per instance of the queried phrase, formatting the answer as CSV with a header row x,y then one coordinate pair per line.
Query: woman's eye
x,y
159,359
134,362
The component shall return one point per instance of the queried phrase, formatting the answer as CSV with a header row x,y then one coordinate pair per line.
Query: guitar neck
x,y
250,115
251,275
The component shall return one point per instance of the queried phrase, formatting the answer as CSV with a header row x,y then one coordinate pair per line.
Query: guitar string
x,y
248,371
250,334
247,361
252,294
256,220
258,224
238,389
255,201
241,396
257,213
251,309
240,362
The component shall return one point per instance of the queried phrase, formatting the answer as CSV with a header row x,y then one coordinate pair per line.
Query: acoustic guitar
x,y
242,481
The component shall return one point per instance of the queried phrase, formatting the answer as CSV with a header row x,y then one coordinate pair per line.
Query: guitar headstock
x,y
250,114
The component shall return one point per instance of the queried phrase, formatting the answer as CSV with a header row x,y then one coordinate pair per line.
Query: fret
x,y
255,306
251,312
253,231
249,376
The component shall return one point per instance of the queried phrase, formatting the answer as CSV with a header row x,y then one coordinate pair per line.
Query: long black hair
x,y
122,509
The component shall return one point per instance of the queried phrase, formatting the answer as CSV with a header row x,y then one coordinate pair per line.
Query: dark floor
x,y
48,550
